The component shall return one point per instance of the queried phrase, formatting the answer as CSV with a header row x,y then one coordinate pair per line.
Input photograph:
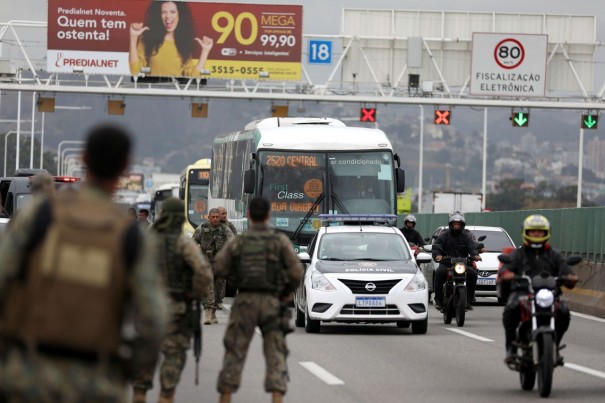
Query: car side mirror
x,y
423,258
249,181
481,238
573,260
304,257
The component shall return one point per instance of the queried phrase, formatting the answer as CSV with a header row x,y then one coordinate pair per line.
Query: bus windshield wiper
x,y
296,233
335,199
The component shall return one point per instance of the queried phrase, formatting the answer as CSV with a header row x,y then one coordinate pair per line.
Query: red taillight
x,y
66,179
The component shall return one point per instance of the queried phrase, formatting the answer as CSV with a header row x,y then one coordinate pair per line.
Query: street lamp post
x,y
421,159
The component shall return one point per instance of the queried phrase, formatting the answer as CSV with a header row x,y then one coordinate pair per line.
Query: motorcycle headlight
x,y
320,282
545,298
418,283
460,268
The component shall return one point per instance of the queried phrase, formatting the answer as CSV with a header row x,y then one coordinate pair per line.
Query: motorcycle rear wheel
x,y
460,305
545,364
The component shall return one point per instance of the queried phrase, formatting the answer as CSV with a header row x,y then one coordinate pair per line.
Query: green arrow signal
x,y
590,122
520,120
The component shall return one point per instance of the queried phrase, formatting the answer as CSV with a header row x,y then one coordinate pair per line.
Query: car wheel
x,y
299,321
403,324
421,326
311,325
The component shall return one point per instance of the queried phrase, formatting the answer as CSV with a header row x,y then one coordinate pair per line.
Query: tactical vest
x,y
74,284
259,267
177,274
212,239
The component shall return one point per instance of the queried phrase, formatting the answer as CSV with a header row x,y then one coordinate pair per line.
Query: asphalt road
x,y
381,363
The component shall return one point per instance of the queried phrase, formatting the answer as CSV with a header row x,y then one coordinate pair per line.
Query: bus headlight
x,y
460,268
545,298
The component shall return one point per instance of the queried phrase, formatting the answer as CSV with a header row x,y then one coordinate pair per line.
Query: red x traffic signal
x,y
442,117
368,115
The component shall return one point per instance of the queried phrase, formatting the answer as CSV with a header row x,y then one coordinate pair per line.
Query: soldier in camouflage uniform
x,y
82,303
212,236
223,289
266,272
187,274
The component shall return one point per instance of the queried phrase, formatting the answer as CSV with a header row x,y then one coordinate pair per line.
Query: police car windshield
x,y
362,246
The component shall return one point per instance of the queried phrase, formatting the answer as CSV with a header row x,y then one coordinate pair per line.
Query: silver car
x,y
496,240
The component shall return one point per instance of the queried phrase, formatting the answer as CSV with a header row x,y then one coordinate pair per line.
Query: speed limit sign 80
x,y
509,64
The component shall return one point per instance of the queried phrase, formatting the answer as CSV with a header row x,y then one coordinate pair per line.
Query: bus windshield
x,y
197,196
352,182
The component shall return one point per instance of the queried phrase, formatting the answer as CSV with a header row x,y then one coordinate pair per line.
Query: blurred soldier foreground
x,y
212,236
74,271
266,272
187,274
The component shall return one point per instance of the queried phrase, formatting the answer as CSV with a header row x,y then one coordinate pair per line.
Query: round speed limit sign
x,y
509,53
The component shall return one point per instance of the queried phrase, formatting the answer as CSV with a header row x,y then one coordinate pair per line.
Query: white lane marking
x,y
585,370
468,334
321,373
589,317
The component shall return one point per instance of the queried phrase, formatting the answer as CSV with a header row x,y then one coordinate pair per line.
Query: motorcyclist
x,y
454,242
535,256
409,232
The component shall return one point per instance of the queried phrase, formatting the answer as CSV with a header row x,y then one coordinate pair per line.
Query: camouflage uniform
x,y
211,240
186,272
260,307
36,375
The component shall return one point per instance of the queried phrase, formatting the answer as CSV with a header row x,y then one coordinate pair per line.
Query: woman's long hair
x,y
183,35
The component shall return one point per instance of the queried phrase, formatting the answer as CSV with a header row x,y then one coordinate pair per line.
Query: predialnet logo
x,y
69,61
63,61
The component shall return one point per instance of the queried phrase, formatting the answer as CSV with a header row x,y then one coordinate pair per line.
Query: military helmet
x,y
536,222
409,218
172,205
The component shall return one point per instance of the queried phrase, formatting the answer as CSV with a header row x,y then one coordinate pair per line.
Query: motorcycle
x,y
454,288
536,344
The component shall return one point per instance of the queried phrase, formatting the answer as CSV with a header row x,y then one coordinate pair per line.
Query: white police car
x,y
360,272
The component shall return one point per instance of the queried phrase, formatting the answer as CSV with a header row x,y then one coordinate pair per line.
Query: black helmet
x,y
456,217
409,218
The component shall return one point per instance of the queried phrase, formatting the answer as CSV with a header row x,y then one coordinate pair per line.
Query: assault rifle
x,y
197,340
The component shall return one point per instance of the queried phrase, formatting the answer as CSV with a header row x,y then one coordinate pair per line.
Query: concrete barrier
x,y
589,294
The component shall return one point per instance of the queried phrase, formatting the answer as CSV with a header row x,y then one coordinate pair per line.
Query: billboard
x,y
175,39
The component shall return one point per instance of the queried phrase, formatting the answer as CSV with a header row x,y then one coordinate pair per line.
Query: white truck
x,y
444,202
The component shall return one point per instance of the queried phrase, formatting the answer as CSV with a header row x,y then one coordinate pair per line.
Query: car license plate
x,y
486,281
370,302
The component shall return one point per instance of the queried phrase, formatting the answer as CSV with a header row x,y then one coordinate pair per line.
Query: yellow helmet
x,y
536,222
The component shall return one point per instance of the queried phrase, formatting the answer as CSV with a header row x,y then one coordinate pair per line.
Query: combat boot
x,y
225,397
214,319
165,399
138,396
278,397
207,316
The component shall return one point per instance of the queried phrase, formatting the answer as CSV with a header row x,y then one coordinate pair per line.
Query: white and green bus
x,y
194,193
304,167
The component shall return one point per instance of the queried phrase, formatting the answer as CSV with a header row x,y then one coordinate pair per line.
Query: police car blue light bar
x,y
358,217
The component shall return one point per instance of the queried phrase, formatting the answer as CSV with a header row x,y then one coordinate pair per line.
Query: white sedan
x,y
361,274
